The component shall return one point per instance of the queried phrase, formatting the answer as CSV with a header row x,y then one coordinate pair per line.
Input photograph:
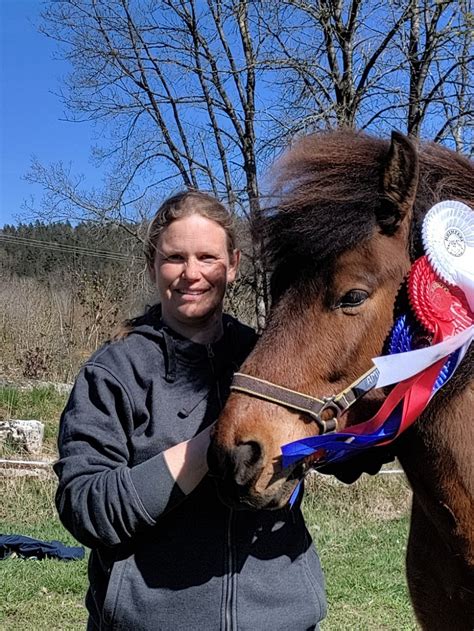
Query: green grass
x,y
360,532
44,594
41,404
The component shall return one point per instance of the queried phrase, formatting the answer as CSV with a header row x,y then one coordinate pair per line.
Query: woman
x,y
166,554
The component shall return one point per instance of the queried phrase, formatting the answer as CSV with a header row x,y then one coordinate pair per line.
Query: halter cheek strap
x,y
332,407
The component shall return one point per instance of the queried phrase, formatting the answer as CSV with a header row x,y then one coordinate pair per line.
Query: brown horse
x,y
342,240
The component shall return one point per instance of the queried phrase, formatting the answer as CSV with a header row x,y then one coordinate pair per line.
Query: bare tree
x,y
203,93
439,56
173,84
376,65
456,94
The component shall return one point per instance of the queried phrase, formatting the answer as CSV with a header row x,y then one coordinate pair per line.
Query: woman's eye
x,y
174,258
352,298
208,258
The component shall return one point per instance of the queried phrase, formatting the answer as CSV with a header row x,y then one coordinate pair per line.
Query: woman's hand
x,y
187,461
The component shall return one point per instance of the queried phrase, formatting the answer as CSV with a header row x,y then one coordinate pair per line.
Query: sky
x,y
31,116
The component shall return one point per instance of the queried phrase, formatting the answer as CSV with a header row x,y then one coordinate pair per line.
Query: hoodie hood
x,y
178,349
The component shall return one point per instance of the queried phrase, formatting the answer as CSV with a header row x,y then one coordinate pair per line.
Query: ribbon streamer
x,y
401,366
402,406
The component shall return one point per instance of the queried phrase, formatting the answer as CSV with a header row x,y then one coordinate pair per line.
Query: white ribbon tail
x,y
395,368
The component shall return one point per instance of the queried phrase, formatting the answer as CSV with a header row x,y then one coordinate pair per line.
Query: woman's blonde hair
x,y
182,205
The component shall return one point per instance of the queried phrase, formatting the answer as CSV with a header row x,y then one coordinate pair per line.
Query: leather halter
x,y
333,406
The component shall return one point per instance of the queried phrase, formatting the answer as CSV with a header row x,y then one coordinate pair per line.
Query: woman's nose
x,y
191,269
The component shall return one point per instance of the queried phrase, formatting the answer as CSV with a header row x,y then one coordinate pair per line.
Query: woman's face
x,y
191,270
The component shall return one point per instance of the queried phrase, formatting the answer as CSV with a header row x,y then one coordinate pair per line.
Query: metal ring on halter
x,y
330,424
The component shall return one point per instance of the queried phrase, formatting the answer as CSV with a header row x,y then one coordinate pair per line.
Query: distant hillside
x,y
45,251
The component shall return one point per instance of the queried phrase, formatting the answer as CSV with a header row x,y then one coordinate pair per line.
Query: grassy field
x,y
42,404
39,595
360,532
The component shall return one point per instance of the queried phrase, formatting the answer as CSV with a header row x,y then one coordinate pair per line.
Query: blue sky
x,y
30,113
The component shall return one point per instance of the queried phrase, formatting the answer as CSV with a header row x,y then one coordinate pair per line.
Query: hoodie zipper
x,y
230,575
229,545
210,356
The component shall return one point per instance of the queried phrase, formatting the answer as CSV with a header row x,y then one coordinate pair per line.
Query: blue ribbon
x,y
339,446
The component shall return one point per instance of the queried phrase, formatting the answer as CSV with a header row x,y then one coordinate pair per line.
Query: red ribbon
x,y
416,392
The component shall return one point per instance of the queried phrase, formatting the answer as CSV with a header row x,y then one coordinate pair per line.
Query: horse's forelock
x,y
329,184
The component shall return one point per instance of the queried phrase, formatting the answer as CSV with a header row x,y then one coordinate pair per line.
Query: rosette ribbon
x,y
448,240
440,289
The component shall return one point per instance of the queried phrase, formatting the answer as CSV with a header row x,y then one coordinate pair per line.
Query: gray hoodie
x,y
159,559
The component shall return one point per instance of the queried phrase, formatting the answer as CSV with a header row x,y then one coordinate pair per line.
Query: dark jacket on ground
x,y
162,560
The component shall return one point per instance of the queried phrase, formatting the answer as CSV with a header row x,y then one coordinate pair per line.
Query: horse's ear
x,y
399,183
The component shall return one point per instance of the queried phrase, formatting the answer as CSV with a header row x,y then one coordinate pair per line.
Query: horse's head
x,y
340,243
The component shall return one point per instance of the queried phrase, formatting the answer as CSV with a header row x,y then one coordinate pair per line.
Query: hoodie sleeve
x,y
99,500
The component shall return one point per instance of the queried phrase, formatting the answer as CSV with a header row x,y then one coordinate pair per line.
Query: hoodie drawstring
x,y
170,358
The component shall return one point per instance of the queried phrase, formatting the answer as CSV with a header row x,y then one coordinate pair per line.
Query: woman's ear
x,y
233,266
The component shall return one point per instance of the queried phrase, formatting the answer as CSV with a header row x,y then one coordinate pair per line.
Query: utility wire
x,y
67,248
41,242
64,247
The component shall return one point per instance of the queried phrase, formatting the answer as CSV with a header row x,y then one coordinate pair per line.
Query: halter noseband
x,y
314,407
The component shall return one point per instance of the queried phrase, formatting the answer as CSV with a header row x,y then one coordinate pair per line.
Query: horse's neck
x,y
441,443
437,455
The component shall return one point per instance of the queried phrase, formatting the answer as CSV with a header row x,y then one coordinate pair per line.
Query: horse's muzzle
x,y
235,471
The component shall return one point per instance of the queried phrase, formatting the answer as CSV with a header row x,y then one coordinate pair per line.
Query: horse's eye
x,y
353,298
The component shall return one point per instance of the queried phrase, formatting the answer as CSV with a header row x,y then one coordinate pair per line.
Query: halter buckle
x,y
329,425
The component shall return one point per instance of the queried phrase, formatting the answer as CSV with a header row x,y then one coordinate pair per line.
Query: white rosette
x,y
448,239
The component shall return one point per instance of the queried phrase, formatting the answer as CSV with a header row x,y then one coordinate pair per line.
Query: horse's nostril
x,y
249,452
246,457
237,466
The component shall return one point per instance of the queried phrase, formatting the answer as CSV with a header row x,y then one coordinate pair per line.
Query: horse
x,y
341,240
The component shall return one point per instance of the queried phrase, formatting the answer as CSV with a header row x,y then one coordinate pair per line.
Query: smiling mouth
x,y
191,292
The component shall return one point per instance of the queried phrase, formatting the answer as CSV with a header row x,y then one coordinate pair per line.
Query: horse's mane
x,y
329,184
